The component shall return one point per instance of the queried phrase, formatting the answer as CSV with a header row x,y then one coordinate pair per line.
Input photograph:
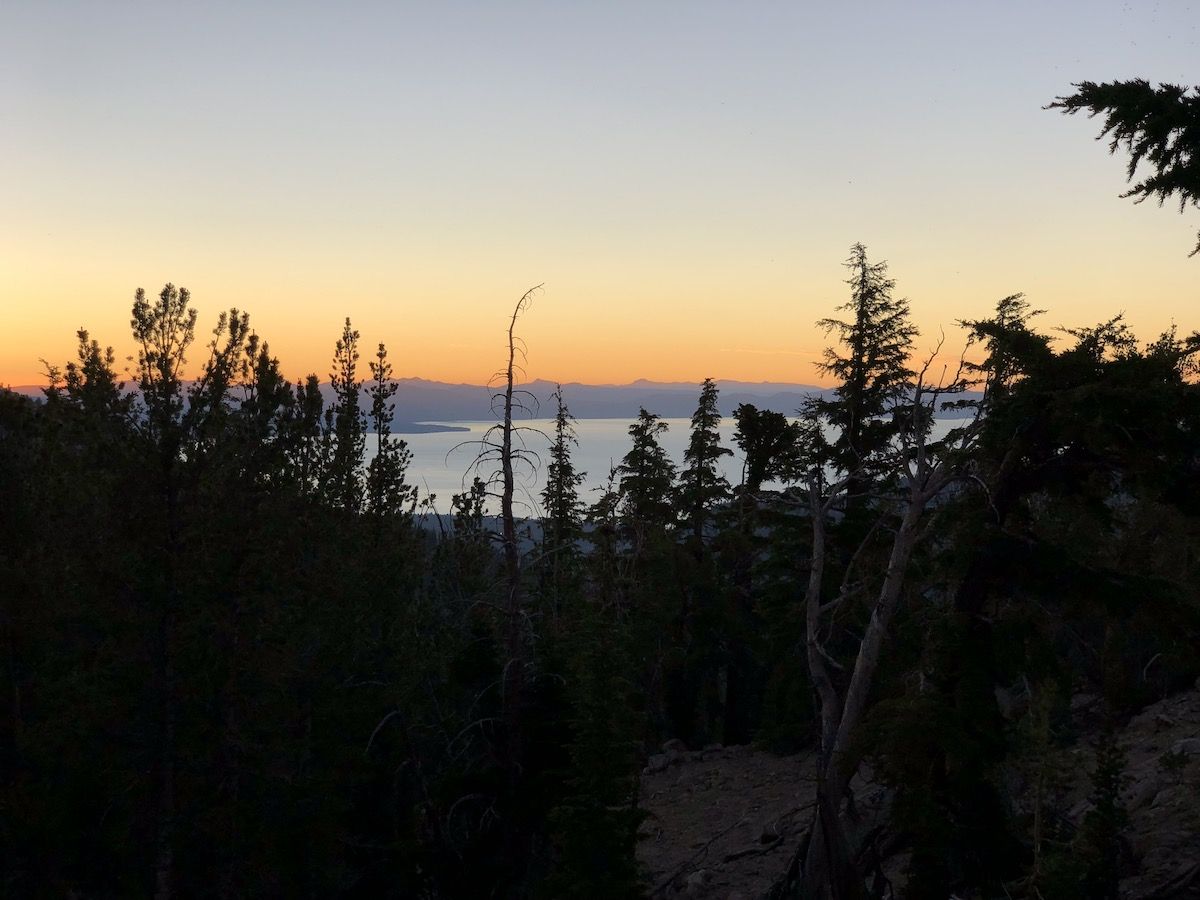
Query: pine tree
x,y
871,367
881,419
563,508
768,443
562,520
388,495
303,438
701,485
91,381
647,474
345,427
1160,126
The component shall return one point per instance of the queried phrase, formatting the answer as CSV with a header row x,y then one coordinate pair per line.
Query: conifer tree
x,y
91,381
647,474
871,365
701,485
388,494
767,441
1157,125
562,520
163,332
264,410
604,562
560,496
178,430
345,427
881,418
305,447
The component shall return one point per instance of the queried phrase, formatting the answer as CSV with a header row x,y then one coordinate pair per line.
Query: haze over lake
x,y
441,460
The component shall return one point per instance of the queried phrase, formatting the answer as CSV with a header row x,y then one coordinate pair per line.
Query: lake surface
x,y
442,461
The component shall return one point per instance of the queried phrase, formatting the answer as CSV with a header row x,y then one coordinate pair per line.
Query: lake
x,y
441,460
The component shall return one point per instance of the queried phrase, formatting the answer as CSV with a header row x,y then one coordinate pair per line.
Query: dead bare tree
x,y
501,451
920,469
516,646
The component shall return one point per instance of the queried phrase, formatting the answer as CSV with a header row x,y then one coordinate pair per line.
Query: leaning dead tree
x,y
917,470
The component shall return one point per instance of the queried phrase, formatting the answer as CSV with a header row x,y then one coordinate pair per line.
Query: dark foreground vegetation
x,y
235,666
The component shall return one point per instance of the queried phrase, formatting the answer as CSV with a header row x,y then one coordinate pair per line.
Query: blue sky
x,y
692,170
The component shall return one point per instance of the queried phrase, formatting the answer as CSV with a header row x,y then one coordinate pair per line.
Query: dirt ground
x,y
723,822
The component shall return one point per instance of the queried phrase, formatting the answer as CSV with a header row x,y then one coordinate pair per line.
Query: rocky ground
x,y
1162,795
723,822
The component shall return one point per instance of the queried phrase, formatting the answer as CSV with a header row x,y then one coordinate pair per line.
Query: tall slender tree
x,y
388,494
701,484
870,364
177,431
881,414
305,448
345,426
562,519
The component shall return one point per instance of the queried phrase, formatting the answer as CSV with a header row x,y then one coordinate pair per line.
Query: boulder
x,y
656,763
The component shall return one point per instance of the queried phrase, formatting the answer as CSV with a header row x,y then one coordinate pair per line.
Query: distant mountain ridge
x,y
420,401
671,400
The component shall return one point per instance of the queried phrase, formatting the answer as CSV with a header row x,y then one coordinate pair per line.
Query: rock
x,y
696,881
1163,721
674,745
1135,796
656,763
1186,747
709,748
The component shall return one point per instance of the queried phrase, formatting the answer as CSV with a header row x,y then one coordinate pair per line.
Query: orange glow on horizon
x,y
688,211
564,344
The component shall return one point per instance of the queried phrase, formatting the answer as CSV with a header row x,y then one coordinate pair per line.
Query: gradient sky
x,y
686,178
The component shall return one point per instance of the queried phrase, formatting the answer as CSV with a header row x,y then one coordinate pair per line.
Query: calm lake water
x,y
442,460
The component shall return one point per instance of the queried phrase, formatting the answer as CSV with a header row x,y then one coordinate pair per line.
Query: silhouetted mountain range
x,y
420,401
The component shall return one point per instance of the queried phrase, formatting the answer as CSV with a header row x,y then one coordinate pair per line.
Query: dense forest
x,y
240,660
238,664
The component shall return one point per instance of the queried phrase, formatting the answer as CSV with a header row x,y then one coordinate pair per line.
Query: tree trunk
x,y
829,872
164,863
517,650
514,675
867,660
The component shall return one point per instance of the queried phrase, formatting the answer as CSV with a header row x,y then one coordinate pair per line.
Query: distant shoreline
x,y
425,428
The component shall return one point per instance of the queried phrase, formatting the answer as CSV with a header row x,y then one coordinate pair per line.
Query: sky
x,y
685,178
